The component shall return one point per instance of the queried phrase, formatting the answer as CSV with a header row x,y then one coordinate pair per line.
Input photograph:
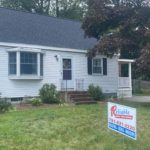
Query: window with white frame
x,y
25,63
97,66
28,63
41,64
12,63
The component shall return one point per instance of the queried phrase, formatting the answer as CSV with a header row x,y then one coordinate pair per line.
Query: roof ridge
x,y
43,15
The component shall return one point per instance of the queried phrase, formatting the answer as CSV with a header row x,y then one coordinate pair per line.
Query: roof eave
x,y
7,44
126,60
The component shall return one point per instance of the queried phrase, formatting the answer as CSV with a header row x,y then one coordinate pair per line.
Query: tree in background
x,y
38,6
143,63
121,26
72,9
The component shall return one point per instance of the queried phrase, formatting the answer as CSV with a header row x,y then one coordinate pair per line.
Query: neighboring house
x,y
36,49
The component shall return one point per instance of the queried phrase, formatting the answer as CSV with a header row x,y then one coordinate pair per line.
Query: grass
x,y
70,128
143,92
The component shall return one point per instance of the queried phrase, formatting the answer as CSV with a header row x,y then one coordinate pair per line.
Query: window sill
x,y
25,77
97,74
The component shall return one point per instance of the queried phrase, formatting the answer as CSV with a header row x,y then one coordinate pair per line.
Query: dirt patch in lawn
x,y
27,106
24,106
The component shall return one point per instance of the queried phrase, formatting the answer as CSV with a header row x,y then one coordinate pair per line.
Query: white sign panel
x,y
122,119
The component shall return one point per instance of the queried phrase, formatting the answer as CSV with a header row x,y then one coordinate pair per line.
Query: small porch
x,y
125,78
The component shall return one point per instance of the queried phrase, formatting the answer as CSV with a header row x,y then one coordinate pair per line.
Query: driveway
x,y
144,99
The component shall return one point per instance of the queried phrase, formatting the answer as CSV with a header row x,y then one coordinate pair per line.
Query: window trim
x,y
101,66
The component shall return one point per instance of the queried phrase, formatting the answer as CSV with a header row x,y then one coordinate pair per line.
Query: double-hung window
x,y
97,66
12,63
41,64
28,63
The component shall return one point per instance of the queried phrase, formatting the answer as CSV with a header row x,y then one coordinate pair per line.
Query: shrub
x,y
95,92
36,102
4,106
48,94
114,97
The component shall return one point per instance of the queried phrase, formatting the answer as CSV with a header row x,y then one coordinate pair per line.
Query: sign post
x,y
122,119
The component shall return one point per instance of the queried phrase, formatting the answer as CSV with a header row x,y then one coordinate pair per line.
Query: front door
x,y
67,74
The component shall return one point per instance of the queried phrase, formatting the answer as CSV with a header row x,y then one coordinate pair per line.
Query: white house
x,y
36,49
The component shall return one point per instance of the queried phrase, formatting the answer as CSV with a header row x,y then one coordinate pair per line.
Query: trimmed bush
x,y
95,92
4,106
49,94
36,102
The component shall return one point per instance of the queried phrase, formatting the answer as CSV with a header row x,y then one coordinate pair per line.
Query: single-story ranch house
x,y
36,49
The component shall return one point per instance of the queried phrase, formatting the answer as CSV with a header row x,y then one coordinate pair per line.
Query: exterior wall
x,y
108,83
53,74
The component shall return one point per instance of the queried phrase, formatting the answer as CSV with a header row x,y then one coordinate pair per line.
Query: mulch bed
x,y
27,106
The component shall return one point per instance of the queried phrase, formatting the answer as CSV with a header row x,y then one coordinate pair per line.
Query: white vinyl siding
x,y
52,70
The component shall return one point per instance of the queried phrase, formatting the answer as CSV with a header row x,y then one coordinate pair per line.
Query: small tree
x,y
4,106
49,94
95,92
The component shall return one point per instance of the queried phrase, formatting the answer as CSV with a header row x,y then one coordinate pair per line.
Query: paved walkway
x,y
144,99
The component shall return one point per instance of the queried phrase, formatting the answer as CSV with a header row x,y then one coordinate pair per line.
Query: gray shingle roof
x,y
28,28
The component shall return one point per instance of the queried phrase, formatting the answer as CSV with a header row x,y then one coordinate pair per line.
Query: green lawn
x,y
70,128
143,93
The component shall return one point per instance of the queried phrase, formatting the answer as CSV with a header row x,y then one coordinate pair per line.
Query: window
x,y
124,70
12,63
25,63
28,63
41,64
97,66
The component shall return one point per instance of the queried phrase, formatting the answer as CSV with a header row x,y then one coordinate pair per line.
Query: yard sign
x,y
122,119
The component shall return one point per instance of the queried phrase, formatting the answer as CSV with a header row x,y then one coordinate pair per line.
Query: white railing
x,y
124,82
79,84
63,85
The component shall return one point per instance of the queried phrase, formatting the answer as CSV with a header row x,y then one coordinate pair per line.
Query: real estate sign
x,y
122,119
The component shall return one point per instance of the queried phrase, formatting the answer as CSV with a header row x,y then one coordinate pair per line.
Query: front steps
x,y
78,97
